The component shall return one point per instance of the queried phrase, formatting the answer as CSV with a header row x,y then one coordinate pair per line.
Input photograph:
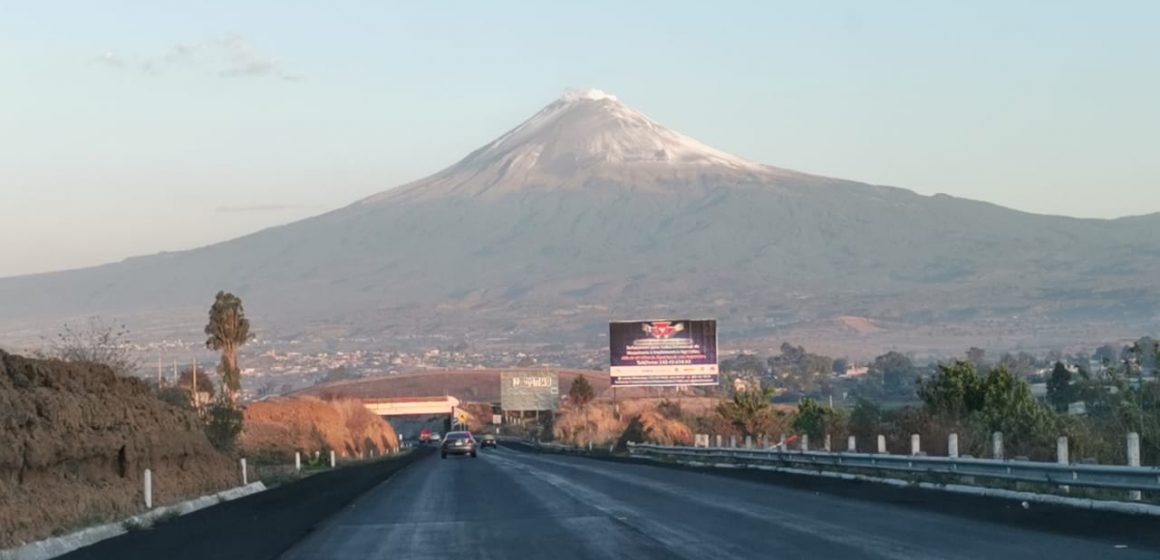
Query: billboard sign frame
x,y
663,353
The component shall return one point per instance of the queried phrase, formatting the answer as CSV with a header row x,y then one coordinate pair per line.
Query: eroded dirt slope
x,y
75,440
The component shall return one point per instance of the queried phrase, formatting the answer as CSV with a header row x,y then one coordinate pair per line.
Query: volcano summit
x,y
590,211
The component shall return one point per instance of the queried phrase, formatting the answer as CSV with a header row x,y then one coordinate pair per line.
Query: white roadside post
x,y
332,459
805,442
953,445
245,477
765,441
718,440
881,443
148,489
827,443
851,444
297,461
1061,457
997,446
748,442
733,442
1134,461
915,445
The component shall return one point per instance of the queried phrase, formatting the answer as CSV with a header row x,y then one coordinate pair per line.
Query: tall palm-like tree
x,y
228,329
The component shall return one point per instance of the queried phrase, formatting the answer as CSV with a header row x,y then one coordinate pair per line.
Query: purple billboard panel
x,y
668,352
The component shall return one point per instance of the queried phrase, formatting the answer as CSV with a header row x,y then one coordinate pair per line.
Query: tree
x,y
228,329
204,383
98,342
581,392
977,356
223,423
749,411
810,419
1105,354
955,392
1060,393
896,370
840,365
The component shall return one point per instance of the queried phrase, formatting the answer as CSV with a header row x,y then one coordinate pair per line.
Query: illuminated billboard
x,y
660,353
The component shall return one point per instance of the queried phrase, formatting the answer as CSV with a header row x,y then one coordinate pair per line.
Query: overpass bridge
x,y
411,406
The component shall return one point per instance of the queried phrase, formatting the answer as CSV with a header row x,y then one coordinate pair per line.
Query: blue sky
x,y
129,128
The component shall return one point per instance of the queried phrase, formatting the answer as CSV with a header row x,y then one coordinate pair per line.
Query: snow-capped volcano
x,y
590,211
586,138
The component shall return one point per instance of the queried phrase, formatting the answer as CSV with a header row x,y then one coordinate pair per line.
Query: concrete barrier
x,y
57,546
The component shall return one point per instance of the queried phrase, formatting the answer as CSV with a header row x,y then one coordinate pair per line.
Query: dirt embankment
x,y
75,440
277,428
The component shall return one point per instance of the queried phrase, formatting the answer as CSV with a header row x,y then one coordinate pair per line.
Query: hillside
x,y
591,211
75,440
467,385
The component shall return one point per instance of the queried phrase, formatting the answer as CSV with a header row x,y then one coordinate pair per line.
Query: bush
x,y
224,424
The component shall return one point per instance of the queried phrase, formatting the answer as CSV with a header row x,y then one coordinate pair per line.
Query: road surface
x,y
515,504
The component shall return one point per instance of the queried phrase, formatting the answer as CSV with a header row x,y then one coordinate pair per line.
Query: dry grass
x,y
275,429
638,419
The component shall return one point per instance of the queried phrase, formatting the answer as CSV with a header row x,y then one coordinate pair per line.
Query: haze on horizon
x,y
132,129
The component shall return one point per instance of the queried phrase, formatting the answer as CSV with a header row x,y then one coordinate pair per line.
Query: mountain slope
x,y
589,211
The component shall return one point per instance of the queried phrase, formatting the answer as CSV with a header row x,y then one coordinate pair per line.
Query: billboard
x,y
668,352
529,390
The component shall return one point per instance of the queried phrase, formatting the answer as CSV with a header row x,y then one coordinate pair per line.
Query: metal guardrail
x,y
1092,476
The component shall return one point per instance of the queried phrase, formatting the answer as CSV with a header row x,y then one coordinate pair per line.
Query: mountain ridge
x,y
546,223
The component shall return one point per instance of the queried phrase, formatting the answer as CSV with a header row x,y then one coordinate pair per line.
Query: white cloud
x,y
228,56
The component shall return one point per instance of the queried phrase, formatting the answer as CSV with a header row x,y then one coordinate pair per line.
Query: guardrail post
x,y
148,489
1134,460
245,476
953,446
827,443
851,444
997,446
915,446
805,442
733,442
332,458
748,442
297,461
1061,457
881,443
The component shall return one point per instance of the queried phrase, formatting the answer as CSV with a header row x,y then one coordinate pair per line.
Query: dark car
x,y
458,443
487,440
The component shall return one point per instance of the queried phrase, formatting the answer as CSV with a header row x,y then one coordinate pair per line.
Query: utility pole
x,y
159,371
193,383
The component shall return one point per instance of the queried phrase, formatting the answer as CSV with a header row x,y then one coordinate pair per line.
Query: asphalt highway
x,y
515,504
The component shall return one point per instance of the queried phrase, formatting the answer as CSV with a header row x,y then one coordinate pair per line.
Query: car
x,y
434,438
458,443
487,440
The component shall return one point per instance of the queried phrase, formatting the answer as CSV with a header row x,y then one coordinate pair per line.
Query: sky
x,y
130,128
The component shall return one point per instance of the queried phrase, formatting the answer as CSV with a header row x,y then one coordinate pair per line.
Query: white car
x,y
436,437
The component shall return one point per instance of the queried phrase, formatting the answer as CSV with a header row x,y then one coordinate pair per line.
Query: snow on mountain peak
x,y
590,94
587,137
